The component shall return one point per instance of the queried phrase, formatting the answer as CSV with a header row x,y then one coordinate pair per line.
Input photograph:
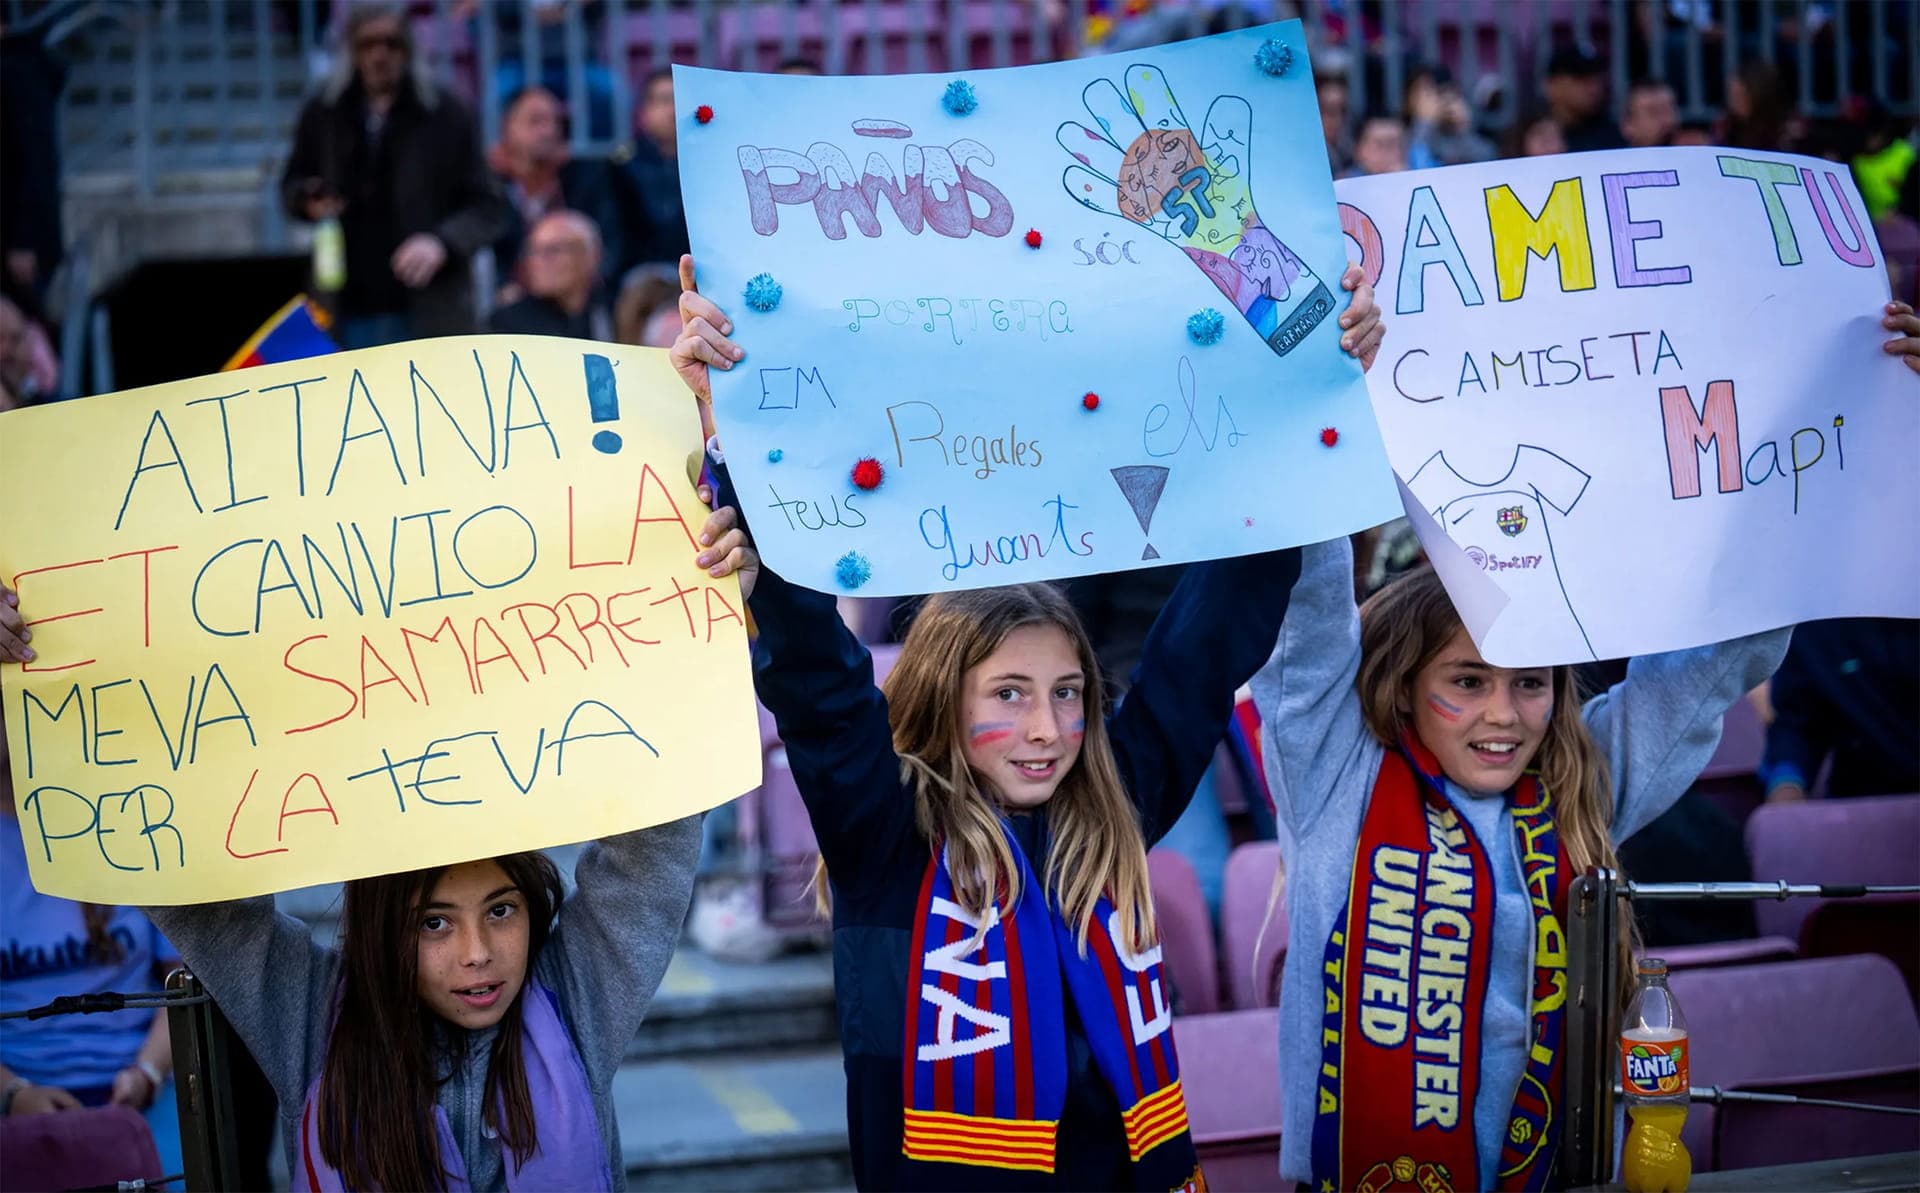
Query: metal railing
x,y
1595,903
162,84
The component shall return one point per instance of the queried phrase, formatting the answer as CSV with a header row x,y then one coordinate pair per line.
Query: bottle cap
x,y
1652,966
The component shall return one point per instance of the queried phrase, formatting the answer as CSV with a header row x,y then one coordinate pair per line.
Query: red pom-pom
x,y
867,474
1329,436
1033,238
1091,401
704,113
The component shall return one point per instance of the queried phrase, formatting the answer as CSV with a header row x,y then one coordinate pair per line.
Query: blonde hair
x,y
1097,847
1402,628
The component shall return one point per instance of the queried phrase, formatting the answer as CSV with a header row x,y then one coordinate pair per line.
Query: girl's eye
x,y
1066,693
1531,683
433,923
501,911
1467,682
1007,695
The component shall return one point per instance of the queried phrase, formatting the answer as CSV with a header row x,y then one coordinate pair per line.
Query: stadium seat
x,y
1230,1070
1859,840
1725,952
1186,934
791,847
1832,1027
1250,980
97,1148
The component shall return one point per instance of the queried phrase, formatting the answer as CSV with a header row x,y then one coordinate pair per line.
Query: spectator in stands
x,y
1652,114
988,763
54,947
396,160
1577,100
539,174
1759,113
30,233
1332,92
28,367
563,283
1899,232
655,165
551,53
1848,692
1883,160
1381,147
647,311
1384,730
1693,132
1380,721
457,1037
1535,135
1440,123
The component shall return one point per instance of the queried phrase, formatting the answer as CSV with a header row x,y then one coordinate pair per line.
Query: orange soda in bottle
x,y
1653,1077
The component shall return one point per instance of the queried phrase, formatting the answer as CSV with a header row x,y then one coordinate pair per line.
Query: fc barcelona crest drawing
x,y
1513,520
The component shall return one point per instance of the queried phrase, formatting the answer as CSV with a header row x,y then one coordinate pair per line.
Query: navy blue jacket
x,y
1850,690
817,679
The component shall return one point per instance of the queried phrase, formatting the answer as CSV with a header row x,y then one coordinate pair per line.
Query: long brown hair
x,y
387,1052
106,947
1402,628
1097,846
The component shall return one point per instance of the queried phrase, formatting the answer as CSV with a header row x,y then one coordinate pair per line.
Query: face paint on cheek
x,y
985,733
1448,712
1078,729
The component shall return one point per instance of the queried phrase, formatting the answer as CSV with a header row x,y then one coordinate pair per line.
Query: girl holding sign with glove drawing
x,y
1436,808
984,830
458,1038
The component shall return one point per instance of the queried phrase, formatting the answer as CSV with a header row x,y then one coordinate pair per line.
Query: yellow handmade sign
x,y
363,613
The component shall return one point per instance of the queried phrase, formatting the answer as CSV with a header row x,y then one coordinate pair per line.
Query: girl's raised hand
x,y
14,634
728,550
1361,328
702,343
1906,344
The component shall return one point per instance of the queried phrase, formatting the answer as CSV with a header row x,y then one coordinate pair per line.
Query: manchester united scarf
x,y
1405,976
986,1046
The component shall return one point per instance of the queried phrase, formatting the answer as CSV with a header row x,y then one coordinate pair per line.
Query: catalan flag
x,y
295,332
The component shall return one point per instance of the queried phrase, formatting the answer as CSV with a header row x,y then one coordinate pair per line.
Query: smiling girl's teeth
x,y
1492,747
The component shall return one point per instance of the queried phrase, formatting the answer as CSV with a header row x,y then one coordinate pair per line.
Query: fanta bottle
x,y
1653,1077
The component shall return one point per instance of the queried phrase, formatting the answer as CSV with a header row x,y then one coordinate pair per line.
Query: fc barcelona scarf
x,y
986,1048
1405,977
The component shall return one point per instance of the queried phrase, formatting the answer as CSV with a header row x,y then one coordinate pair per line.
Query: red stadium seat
x,y
1252,975
1804,1027
1186,934
1230,1070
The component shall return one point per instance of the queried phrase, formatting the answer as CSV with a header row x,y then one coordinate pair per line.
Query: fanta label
x,y
1653,1068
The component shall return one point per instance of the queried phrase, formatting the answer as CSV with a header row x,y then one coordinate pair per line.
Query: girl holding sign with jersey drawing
x,y
1435,809
984,826
458,1038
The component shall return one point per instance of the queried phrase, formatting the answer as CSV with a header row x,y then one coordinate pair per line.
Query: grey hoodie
x,y
604,961
1657,729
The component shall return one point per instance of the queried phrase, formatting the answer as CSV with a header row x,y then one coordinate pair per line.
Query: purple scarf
x,y
570,1153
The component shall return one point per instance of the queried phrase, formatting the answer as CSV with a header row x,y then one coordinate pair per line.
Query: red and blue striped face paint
x,y
1077,730
1449,712
985,733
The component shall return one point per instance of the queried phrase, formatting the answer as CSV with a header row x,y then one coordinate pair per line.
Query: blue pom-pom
x,y
763,293
1207,326
959,98
775,455
1274,57
852,570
